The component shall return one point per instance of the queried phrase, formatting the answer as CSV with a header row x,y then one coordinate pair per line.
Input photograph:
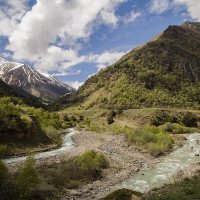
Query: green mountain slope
x,y
164,72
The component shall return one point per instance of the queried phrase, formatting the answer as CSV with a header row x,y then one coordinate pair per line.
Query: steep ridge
x,y
163,72
22,76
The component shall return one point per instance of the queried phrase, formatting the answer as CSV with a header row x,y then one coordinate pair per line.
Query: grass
x,y
187,189
175,128
47,182
137,126
153,138
75,172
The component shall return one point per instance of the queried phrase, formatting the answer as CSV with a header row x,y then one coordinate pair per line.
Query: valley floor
x,y
124,161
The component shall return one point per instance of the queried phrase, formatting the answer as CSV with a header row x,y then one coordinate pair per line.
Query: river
x,y
67,145
165,171
147,179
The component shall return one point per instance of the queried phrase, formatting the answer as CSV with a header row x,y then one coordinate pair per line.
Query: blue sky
x,y
74,39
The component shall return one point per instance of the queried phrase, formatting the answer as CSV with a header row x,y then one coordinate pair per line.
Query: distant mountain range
x,y
23,77
165,72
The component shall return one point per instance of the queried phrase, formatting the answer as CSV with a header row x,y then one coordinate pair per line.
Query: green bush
x,y
73,173
53,134
121,194
157,149
189,119
175,128
3,172
3,149
153,138
115,128
27,178
91,160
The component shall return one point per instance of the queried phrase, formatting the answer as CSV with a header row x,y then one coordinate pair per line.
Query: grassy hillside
x,y
162,73
24,128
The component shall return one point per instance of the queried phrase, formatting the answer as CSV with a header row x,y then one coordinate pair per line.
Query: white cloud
x,y
11,12
69,73
193,7
106,58
158,6
131,17
36,36
75,84
56,56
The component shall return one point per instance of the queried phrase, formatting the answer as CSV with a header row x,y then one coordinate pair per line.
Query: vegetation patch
x,y
156,140
187,189
78,171
48,182
23,127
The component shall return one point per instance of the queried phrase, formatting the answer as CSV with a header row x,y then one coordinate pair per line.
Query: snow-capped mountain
x,y
27,78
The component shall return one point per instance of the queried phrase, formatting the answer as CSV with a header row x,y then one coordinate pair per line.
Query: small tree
x,y
27,177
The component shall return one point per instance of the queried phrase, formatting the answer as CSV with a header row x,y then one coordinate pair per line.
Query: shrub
x,y
175,128
121,129
91,161
95,128
154,138
53,134
121,194
27,178
3,149
3,172
189,119
157,149
84,168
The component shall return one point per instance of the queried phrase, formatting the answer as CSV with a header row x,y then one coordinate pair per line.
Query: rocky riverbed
x,y
124,161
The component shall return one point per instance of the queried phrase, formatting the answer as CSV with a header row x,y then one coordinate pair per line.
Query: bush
x,y
27,178
189,119
157,149
121,129
3,149
84,168
175,128
53,134
121,194
153,138
3,172
91,161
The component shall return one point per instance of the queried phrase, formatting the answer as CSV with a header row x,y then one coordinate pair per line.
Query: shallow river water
x,y
165,171
68,144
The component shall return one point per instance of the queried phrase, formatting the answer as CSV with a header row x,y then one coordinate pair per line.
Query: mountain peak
x,y
27,78
163,72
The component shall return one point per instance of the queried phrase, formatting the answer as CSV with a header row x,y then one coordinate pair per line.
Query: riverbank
x,y
124,161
